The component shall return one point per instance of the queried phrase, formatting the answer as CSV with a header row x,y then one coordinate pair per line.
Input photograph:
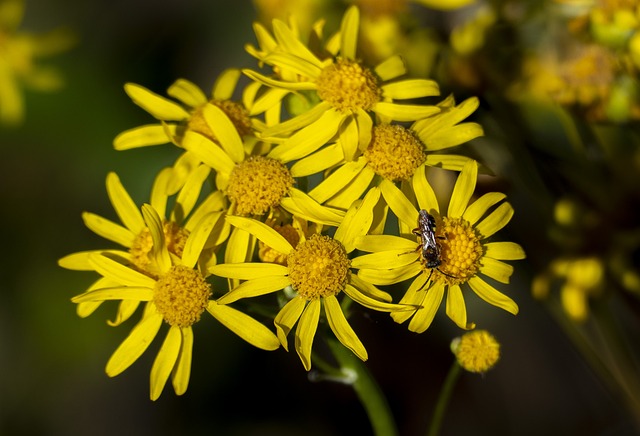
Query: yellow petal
x,y
165,361
225,84
390,276
294,64
182,369
261,231
349,33
504,251
247,271
244,326
478,208
357,221
225,132
341,328
208,152
452,136
116,293
390,259
463,190
297,122
189,194
187,92
119,273
492,296
159,107
375,243
289,43
496,269
452,162
307,326
309,139
424,316
499,218
255,287
80,261
456,309
368,289
300,204
197,239
143,136
124,206
287,318
213,203
413,297
159,252
391,68
160,191
424,192
108,229
399,204
408,89
337,180
126,309
135,344
321,160
267,100
404,112
371,303
291,86
353,191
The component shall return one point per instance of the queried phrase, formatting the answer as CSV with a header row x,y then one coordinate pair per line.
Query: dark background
x,y
52,379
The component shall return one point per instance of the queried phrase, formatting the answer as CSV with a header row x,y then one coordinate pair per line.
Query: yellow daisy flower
x,y
134,235
254,185
19,60
317,270
455,253
186,114
477,351
341,92
178,296
394,153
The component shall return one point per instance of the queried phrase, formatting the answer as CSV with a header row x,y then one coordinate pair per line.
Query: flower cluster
x,y
305,194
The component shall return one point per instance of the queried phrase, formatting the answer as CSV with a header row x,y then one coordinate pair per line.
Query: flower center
x,y
318,267
269,255
181,295
348,86
237,114
476,351
394,152
258,184
460,251
175,238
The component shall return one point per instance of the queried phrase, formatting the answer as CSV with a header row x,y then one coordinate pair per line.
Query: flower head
x,y
318,271
19,60
476,351
177,296
452,250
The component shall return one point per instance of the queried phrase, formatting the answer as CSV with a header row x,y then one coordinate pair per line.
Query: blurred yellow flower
x,y
20,53
476,351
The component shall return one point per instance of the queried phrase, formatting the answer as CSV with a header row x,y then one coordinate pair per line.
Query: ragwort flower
x,y
318,269
178,296
341,91
134,235
464,253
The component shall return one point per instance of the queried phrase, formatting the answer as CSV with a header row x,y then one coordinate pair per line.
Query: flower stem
x,y
367,389
443,399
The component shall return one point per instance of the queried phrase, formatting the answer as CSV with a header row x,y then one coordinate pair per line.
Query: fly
x,y
429,246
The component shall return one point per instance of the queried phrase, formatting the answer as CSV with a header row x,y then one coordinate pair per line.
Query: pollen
x,y
258,184
175,238
269,255
181,295
394,152
237,114
476,351
348,86
460,251
318,267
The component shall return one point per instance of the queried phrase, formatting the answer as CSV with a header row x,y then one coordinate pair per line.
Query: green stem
x,y
367,389
443,399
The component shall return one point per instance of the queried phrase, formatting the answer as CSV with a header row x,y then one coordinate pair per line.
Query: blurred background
x,y
53,167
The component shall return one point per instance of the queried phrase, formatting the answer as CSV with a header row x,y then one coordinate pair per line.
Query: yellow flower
x,y
178,296
186,115
19,60
134,235
464,253
476,351
341,93
318,270
394,153
582,278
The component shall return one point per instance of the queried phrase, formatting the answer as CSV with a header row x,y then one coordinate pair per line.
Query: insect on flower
x,y
429,246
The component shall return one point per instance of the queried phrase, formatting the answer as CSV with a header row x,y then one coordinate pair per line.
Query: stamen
x,y
394,152
476,351
181,295
348,86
